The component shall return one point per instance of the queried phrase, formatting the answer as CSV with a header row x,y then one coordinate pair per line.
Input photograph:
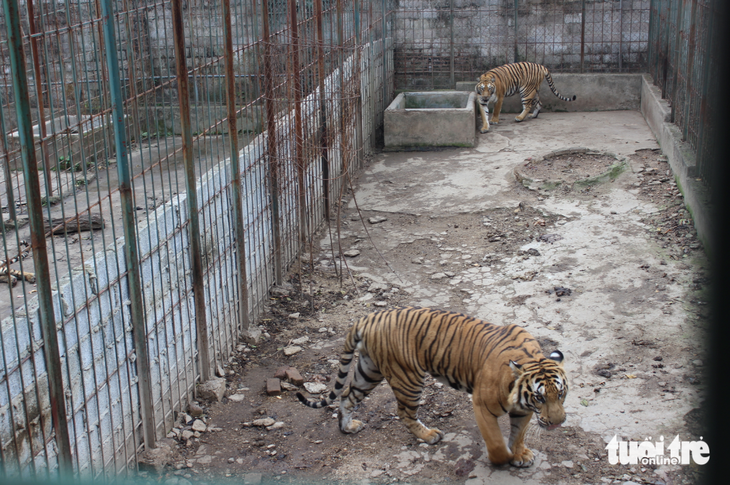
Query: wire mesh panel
x,y
682,67
443,43
277,104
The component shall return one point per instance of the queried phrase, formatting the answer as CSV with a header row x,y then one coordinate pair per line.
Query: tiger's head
x,y
487,86
541,387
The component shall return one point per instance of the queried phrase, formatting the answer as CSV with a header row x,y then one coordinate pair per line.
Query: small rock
x,y
276,425
195,410
351,253
219,371
300,340
380,304
213,389
205,460
156,459
231,460
288,387
184,419
315,387
291,350
377,220
567,463
438,276
376,287
295,316
263,422
273,387
322,330
187,434
281,372
697,363
199,426
236,397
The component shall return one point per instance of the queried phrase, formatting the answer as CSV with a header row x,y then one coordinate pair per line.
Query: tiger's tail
x,y
549,79
351,344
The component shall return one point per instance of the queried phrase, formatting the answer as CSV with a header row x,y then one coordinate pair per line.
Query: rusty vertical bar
x,y
243,326
357,70
385,57
690,63
39,94
322,110
704,148
298,137
181,69
582,33
677,41
271,143
38,240
130,237
6,168
620,34
516,48
452,77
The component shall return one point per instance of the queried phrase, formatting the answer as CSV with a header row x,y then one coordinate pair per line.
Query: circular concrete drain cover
x,y
570,167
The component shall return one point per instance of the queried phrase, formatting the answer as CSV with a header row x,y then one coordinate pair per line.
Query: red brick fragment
x,y
294,376
273,387
281,372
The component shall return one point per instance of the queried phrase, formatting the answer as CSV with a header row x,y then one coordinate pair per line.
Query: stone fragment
x,y
195,410
236,397
315,387
281,372
276,425
263,422
295,316
300,340
213,389
273,387
291,350
288,386
377,219
351,253
438,276
199,425
156,459
187,434
205,460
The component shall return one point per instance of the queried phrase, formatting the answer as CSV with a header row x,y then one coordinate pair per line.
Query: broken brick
x,y
294,376
273,387
281,372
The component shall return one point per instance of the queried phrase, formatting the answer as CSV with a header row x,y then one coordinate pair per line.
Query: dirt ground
x,y
609,272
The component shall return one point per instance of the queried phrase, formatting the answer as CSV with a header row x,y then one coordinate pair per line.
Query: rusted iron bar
x,y
39,95
129,221
582,33
677,40
10,195
298,137
271,144
183,92
690,63
356,72
243,325
322,110
37,235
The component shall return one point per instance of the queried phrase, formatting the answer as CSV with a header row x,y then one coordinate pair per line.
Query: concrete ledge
x,y
681,158
594,92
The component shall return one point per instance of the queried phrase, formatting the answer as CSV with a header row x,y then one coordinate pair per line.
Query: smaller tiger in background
x,y
502,367
508,80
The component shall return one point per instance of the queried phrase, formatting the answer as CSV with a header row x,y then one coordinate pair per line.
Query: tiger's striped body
x,y
521,77
501,366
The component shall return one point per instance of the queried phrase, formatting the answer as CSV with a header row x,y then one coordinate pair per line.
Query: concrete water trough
x,y
430,119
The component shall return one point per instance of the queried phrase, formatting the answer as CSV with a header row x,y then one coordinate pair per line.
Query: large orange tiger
x,y
501,366
508,80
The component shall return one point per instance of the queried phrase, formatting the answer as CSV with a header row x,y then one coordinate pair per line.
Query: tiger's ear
x,y
557,356
516,368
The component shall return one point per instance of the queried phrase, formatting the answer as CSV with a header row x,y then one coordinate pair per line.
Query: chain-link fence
x,y
438,44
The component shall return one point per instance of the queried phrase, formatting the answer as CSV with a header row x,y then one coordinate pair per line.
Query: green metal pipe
x,y
130,235
38,239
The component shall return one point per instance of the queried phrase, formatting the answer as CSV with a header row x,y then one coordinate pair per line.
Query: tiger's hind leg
x,y
365,379
408,394
537,106
528,102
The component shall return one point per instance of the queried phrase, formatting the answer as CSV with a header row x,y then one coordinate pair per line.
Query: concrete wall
x,y
594,92
681,157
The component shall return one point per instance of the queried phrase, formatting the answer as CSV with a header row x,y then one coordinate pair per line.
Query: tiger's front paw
x,y
433,436
524,459
484,130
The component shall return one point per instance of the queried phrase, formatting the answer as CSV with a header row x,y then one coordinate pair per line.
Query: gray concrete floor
x,y
630,304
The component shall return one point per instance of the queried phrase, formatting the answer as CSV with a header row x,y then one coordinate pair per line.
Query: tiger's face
x,y
541,387
487,87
